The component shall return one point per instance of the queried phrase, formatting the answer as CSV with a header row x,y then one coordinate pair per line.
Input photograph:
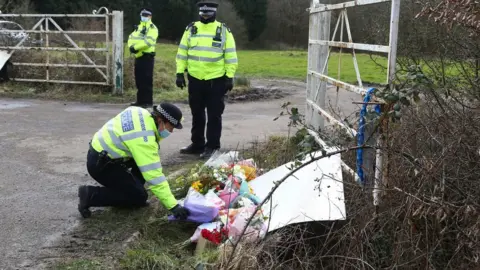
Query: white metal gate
x,y
318,55
112,49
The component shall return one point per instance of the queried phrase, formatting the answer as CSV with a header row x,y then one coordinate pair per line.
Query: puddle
x,y
14,105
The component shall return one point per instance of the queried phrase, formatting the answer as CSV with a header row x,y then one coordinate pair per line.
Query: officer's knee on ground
x,y
138,198
143,197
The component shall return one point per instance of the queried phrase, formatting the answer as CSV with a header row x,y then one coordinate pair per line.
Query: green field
x,y
252,64
290,64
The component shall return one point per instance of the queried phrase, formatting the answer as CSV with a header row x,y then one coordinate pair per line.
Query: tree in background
x,y
254,13
287,24
172,16
227,14
459,12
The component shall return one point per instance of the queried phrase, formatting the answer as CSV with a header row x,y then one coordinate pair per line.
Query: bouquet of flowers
x,y
216,237
222,184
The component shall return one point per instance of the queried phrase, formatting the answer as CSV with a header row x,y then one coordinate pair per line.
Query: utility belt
x,y
103,159
147,55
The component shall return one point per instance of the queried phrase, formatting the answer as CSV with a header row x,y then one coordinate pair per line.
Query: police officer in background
x,y
142,43
123,156
207,52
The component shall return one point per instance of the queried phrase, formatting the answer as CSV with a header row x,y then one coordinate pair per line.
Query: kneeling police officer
x,y
124,155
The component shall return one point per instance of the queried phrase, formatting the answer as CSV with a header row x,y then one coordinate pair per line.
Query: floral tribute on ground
x,y
221,200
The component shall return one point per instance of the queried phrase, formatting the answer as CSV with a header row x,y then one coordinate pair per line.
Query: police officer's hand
x,y
180,212
180,80
228,84
132,50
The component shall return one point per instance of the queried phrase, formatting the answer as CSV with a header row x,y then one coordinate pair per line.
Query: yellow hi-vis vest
x,y
143,38
207,51
133,134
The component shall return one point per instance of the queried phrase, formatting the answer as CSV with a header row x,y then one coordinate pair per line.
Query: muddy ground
x,y
44,145
262,90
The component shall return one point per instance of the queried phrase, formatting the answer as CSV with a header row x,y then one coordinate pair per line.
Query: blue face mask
x,y
164,133
144,19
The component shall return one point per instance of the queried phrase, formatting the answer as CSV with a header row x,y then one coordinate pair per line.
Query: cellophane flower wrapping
x,y
229,201
255,230
217,225
202,210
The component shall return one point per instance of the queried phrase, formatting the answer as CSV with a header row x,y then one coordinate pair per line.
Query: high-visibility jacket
x,y
143,38
207,51
133,134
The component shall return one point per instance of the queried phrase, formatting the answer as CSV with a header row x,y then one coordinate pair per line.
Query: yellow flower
x,y
197,185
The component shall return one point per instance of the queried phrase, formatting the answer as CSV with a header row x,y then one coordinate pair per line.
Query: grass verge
x,y
160,247
157,243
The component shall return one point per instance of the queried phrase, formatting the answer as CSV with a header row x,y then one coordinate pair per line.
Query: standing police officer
x,y
142,43
207,52
123,156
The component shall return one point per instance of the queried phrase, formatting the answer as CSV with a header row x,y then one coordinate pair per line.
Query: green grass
x,y
80,264
252,64
84,94
293,64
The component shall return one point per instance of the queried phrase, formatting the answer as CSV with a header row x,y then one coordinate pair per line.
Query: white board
x,y
4,56
314,193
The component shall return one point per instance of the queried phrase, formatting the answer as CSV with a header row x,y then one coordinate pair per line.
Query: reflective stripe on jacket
x,y
144,38
204,57
133,134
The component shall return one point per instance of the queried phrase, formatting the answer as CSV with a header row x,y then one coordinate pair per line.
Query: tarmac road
x,y
44,146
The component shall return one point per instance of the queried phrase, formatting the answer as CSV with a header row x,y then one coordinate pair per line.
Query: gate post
x,y
319,29
118,52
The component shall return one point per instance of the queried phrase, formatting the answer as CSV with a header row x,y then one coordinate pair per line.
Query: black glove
x,y
180,80
132,49
228,84
180,212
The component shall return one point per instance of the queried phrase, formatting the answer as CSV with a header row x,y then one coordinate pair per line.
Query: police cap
x,y
169,112
208,4
146,12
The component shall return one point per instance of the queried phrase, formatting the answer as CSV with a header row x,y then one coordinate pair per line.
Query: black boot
x,y
134,104
84,195
207,153
192,150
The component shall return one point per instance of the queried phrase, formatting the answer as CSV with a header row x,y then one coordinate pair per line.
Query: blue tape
x,y
361,134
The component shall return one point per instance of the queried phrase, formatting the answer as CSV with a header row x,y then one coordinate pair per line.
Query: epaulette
x,y
152,25
189,25
228,28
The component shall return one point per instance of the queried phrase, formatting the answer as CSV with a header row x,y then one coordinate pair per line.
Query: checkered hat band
x,y
205,8
202,13
168,116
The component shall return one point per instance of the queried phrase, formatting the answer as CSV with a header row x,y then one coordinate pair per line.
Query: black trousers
x,y
144,78
210,95
121,187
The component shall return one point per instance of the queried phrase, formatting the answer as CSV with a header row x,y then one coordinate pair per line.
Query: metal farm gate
x,y
111,48
319,50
